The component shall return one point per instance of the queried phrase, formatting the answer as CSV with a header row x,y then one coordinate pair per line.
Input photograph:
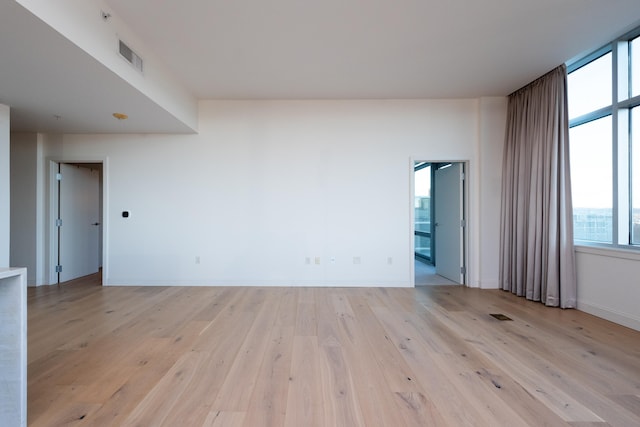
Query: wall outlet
x,y
197,260
307,260
317,260
356,260
390,260
333,260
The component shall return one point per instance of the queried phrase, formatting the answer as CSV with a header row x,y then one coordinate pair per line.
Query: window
x,y
422,209
590,86
635,66
604,136
591,179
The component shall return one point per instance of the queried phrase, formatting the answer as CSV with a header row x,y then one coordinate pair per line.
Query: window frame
x,y
622,102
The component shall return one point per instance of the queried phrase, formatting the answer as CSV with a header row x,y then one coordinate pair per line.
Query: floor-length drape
x,y
537,257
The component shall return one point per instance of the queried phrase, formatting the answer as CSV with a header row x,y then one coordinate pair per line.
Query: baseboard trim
x,y
266,283
623,319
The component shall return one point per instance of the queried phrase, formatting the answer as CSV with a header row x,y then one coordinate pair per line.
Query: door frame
x,y
52,212
465,209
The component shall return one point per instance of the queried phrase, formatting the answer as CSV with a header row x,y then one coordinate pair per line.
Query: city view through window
x,y
591,180
422,210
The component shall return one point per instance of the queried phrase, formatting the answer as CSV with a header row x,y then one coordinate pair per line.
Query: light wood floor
x,y
430,356
425,275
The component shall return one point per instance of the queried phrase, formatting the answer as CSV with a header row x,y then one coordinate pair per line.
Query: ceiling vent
x,y
131,57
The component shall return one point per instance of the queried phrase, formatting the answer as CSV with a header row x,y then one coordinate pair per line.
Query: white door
x,y
449,230
79,212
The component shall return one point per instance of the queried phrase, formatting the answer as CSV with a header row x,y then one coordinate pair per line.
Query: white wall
x,y
609,284
5,188
30,228
492,125
268,184
24,175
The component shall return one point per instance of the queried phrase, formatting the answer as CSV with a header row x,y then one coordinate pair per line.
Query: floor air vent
x,y
131,57
500,316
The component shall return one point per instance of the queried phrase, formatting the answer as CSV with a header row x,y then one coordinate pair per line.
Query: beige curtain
x,y
537,258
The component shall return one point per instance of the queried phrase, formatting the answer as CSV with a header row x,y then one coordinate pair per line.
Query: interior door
x,y
449,216
80,213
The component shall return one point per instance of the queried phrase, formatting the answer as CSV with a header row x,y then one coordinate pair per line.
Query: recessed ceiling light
x,y
120,116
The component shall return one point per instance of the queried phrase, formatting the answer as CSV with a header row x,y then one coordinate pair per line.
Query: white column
x,y
13,347
4,186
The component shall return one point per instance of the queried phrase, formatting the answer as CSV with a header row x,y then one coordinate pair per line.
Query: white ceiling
x,y
303,49
373,48
54,86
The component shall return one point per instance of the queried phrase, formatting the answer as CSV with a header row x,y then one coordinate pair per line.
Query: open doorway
x,y
76,211
439,223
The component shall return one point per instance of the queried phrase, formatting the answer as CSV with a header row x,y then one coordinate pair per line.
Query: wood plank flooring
x,y
242,356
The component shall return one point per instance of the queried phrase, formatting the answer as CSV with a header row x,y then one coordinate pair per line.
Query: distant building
x,y
596,225
423,226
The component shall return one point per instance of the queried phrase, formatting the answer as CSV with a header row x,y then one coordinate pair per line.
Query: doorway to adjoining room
x,y
76,218
439,223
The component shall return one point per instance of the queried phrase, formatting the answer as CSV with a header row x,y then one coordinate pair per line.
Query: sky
x,y
423,182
